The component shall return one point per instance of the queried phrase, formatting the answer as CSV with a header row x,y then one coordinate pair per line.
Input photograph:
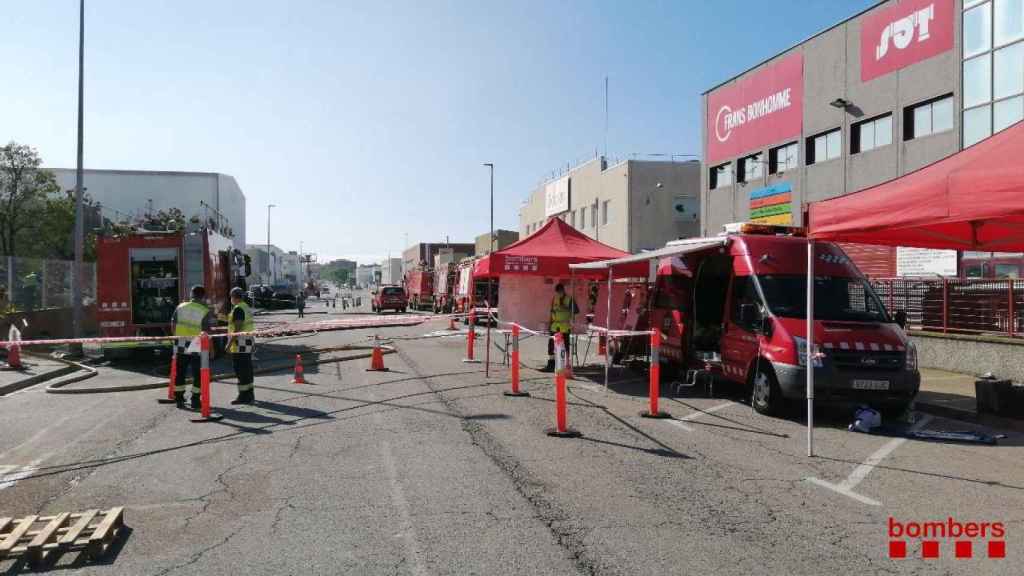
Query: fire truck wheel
x,y
767,398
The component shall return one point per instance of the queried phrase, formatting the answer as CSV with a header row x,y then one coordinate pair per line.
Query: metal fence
x,y
957,305
34,283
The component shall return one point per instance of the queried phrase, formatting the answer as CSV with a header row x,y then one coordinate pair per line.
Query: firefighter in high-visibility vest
x,y
562,308
241,347
190,319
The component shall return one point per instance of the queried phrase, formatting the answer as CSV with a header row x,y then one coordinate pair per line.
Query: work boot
x,y
550,366
250,397
240,399
196,404
179,400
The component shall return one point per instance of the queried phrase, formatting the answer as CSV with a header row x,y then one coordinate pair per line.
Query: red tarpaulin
x,y
972,200
549,251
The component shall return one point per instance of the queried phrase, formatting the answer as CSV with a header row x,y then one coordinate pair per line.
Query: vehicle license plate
x,y
870,384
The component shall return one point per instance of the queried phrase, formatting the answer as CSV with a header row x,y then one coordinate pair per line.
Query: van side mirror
x,y
901,318
749,314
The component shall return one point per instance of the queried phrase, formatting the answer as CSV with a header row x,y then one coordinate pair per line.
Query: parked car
x,y
389,298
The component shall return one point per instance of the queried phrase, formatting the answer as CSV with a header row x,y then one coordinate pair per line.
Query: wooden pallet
x,y
37,538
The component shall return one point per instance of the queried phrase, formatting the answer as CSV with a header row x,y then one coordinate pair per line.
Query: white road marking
x,y
862,470
678,422
9,475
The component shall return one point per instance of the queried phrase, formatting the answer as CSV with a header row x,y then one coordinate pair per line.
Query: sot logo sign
x,y
932,534
903,34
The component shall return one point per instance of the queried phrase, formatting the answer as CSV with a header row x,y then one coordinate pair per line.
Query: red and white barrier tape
x,y
288,328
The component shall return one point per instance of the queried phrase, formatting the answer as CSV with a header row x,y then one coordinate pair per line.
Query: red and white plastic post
x,y
204,382
561,429
515,365
654,390
470,337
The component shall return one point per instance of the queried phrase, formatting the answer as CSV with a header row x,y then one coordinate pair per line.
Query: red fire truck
x,y
419,287
143,276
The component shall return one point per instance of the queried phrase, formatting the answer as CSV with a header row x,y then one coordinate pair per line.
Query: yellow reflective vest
x,y
561,313
242,344
189,318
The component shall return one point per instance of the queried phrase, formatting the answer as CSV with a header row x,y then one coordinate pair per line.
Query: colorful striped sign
x,y
772,204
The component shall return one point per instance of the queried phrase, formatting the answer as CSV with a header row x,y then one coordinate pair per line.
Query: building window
x,y
583,218
929,117
572,218
993,67
824,146
871,134
977,30
604,212
593,214
782,158
750,168
1009,21
720,176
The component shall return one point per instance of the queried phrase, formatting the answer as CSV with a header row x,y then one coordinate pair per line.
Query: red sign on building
x,y
903,34
760,109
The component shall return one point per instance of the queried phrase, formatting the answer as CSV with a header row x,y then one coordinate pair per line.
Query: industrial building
x,y
367,275
881,94
125,195
422,255
632,205
265,265
391,271
502,238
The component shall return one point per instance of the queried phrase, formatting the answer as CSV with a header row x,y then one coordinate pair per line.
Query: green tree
x,y
25,190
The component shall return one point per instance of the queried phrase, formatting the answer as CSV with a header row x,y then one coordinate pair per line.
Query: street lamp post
x,y
76,274
270,267
490,290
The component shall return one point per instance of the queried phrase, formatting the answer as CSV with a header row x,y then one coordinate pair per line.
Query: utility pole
x,y
76,274
271,273
490,290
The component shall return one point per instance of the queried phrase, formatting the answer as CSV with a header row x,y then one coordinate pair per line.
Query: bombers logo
x,y
901,32
727,119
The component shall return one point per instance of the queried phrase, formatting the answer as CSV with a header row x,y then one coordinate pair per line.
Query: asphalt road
x,y
429,469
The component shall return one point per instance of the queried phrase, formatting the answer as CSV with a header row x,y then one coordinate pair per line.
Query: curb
x,y
989,420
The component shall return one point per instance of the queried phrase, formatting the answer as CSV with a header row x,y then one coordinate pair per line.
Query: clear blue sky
x,y
366,121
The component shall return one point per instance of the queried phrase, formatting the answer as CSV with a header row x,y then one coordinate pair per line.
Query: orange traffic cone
x,y
377,359
298,371
170,382
451,323
14,357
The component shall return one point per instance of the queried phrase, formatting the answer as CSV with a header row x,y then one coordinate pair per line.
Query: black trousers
x,y
186,361
243,370
551,342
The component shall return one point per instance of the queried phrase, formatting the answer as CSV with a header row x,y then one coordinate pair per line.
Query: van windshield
x,y
836,298
392,291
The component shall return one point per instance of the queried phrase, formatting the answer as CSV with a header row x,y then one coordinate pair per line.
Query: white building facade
x,y
128,194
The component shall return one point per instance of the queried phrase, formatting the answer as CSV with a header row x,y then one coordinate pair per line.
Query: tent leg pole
x,y
608,335
572,313
809,363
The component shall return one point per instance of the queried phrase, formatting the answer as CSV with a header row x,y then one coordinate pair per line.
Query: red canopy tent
x,y
972,200
549,252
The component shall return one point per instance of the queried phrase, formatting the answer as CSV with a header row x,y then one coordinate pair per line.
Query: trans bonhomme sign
x,y
760,109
